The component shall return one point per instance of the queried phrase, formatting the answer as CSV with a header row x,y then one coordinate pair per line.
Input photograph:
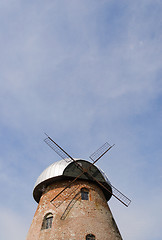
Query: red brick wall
x,y
82,217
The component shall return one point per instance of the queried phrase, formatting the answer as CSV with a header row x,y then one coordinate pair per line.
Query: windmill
x,y
95,157
72,196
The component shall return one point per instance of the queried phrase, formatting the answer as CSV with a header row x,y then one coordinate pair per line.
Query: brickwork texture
x,y
72,217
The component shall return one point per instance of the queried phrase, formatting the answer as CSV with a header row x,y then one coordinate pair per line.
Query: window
x,y
90,237
47,221
84,194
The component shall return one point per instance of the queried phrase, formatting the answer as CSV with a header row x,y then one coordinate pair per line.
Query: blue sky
x,y
85,72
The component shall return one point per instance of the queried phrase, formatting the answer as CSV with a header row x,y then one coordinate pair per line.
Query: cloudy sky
x,y
85,72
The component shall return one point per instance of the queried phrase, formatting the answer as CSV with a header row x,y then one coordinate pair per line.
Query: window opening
x,y
47,221
84,194
90,237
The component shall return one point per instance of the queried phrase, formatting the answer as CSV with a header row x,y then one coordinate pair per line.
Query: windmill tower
x,y
72,197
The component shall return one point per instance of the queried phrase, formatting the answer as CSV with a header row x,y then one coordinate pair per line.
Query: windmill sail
x,y
60,198
100,152
70,205
120,196
60,151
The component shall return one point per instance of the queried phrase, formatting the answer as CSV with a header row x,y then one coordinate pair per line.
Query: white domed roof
x,y
54,170
65,168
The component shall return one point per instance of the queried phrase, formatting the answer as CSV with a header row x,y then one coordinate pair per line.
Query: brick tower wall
x,y
74,218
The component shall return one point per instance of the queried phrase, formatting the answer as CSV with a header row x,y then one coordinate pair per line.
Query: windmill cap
x,y
67,168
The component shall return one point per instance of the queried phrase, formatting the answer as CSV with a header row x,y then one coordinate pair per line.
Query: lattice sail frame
x,y
64,155
94,157
120,196
100,152
70,205
62,197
